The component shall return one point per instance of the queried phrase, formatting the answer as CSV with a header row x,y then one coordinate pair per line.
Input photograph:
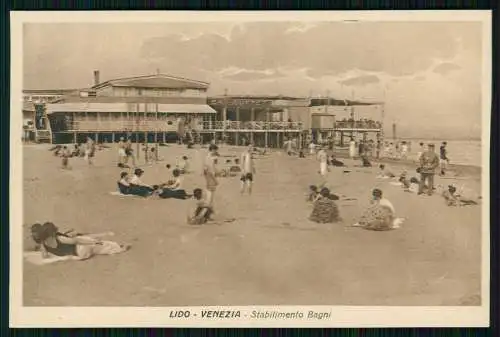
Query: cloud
x,y
327,48
361,80
446,68
251,75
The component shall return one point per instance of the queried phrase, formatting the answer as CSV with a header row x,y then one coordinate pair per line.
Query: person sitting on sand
x,y
201,212
183,165
453,199
385,172
137,187
332,161
173,188
123,183
80,247
325,210
380,216
313,193
76,151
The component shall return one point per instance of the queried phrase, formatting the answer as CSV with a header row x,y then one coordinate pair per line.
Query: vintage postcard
x,y
250,169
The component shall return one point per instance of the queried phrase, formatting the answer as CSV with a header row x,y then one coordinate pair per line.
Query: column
x,y
267,128
341,138
237,134
224,126
252,118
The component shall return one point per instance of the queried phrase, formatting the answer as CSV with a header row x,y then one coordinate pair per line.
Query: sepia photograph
x,y
241,167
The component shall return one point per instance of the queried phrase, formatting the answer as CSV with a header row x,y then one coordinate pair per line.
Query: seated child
x,y
313,193
301,154
365,162
235,169
201,212
385,172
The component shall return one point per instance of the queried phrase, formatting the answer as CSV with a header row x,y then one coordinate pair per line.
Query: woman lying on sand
x,y
325,210
380,216
80,247
453,199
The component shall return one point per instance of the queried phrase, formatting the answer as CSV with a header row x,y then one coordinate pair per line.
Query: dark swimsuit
x,y
62,249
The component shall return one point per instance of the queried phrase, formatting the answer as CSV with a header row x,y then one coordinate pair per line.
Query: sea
x,y
462,152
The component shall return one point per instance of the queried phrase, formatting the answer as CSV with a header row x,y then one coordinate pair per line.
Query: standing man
x,y
312,148
429,161
443,158
209,171
247,170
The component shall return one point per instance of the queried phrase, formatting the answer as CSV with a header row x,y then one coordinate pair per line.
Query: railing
x,y
124,125
255,125
358,125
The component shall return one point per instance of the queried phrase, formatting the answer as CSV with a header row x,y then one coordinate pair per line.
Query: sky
x,y
428,73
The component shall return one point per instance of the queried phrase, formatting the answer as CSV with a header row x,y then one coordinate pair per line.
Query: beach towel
x,y
121,195
36,258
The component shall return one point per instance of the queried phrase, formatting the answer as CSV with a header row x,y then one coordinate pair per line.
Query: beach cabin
x,y
152,108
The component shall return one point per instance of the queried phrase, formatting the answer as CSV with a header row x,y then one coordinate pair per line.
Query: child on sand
x,y
384,172
313,193
247,170
173,188
65,154
201,211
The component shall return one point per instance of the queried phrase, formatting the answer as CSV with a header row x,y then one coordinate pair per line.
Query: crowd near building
x,y
163,108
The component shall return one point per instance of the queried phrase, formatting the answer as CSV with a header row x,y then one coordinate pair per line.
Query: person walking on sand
x,y
352,148
429,161
443,158
323,162
121,152
247,170
89,150
312,148
129,152
209,172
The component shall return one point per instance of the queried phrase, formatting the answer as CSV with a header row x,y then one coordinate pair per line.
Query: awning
x,y
128,107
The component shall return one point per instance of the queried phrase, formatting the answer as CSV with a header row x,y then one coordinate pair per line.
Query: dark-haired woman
x,y
79,247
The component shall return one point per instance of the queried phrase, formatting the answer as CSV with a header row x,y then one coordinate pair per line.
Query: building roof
x,y
131,99
127,107
48,91
154,81
333,101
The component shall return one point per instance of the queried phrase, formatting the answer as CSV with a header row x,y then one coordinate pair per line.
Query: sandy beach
x,y
270,255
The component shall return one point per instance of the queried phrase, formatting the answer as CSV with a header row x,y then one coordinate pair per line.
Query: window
x,y
139,92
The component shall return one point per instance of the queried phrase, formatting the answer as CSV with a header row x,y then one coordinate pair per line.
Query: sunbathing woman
x,y
325,209
79,247
454,199
380,216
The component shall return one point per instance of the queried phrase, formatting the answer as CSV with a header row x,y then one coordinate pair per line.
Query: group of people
x,y
85,150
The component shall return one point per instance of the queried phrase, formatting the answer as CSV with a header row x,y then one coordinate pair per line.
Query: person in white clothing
x,y
312,148
247,170
352,148
122,155
323,162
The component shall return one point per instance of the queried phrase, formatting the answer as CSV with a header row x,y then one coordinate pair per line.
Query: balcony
x,y
359,124
124,125
251,126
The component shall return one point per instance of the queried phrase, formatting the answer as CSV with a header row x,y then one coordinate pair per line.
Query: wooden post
x,y
237,134
266,141
252,118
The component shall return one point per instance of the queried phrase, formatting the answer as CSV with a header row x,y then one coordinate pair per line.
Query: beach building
x,y
261,120
145,108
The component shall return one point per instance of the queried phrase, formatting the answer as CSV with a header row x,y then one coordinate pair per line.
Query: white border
x,y
342,316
